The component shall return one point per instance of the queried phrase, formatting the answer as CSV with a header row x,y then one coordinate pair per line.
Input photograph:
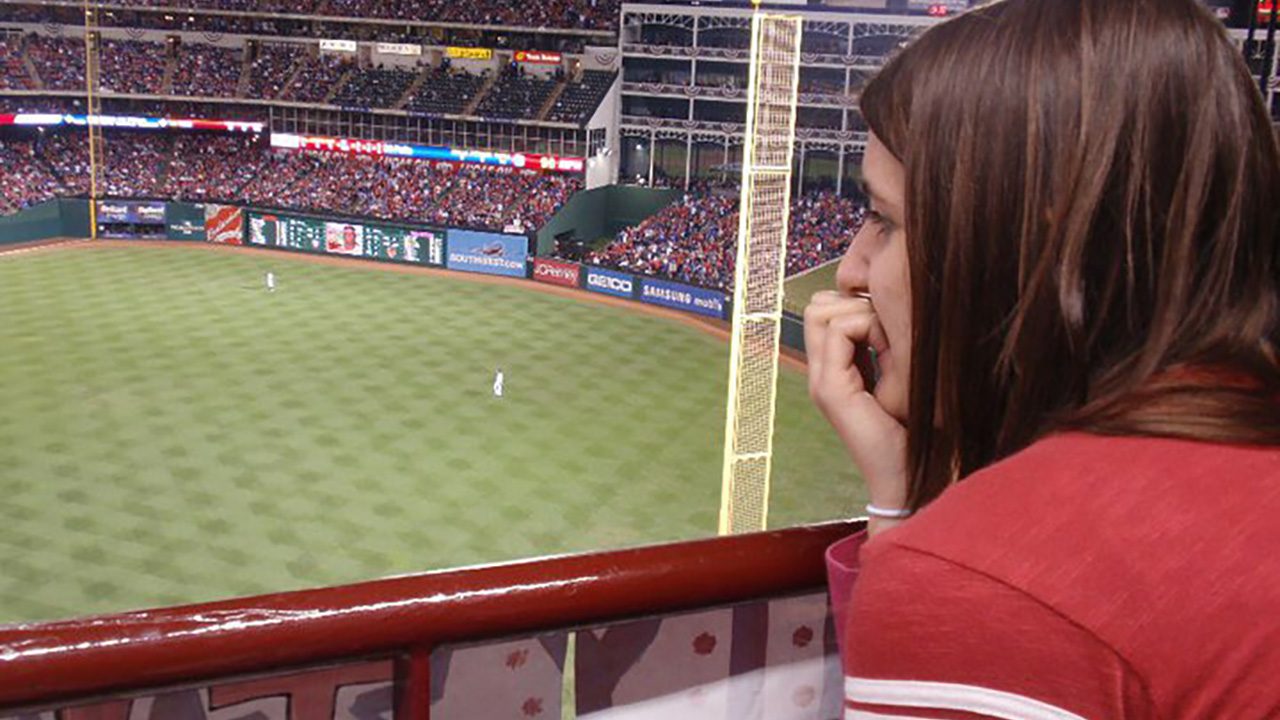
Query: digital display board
x,y
379,148
131,122
355,239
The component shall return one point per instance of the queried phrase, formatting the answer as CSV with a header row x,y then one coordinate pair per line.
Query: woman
x,y
1069,282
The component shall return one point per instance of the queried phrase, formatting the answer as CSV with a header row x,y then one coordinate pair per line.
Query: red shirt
x,y
1083,577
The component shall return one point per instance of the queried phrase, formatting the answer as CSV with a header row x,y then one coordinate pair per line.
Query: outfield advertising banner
x,y
136,213
488,253
683,297
610,282
224,224
555,272
184,221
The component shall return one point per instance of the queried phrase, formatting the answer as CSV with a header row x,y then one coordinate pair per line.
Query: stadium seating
x,y
444,92
132,67
374,87
517,95
13,71
60,61
204,167
315,79
272,68
207,70
693,240
580,100
591,14
241,168
25,180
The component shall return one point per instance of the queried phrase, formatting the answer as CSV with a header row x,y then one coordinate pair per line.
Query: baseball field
x,y
171,432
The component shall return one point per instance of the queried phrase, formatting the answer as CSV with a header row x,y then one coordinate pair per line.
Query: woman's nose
x,y
851,274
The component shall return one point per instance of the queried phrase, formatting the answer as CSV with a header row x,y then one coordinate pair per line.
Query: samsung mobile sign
x,y
683,297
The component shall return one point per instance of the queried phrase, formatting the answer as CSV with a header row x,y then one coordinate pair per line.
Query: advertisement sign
x,y
539,57
466,53
378,148
556,272
344,239
398,49
488,253
342,46
134,213
132,122
610,282
224,224
683,297
184,221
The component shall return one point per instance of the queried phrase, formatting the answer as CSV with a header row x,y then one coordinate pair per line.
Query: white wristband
x,y
887,514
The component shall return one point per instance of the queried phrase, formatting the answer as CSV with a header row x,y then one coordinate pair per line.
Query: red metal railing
x,y
402,617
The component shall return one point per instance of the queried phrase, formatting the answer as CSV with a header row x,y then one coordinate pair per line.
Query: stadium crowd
x,y
13,71
590,14
693,240
241,168
291,72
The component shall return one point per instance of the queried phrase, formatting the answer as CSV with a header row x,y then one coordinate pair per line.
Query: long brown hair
x,y
1093,208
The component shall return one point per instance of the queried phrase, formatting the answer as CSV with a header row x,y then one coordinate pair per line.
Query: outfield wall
x,y
49,219
458,249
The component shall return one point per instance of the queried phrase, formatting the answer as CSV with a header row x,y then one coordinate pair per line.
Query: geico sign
x,y
609,283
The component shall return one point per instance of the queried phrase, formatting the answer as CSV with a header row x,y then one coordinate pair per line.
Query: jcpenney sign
x,y
610,282
556,273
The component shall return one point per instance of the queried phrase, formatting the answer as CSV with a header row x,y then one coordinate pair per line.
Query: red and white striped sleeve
x,y
929,638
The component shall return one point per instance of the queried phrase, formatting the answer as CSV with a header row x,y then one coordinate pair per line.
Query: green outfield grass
x,y
797,290
170,432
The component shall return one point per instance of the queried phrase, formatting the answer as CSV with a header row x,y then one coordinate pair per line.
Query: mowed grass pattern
x,y
170,432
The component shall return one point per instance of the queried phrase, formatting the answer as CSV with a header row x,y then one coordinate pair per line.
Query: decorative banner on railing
x,y
353,146
514,678
466,53
683,297
488,253
342,46
131,122
772,660
539,57
398,49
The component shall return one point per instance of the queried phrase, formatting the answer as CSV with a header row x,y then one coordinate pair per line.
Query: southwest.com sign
x,y
610,282
488,253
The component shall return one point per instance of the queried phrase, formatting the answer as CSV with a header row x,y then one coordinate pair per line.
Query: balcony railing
x,y
728,627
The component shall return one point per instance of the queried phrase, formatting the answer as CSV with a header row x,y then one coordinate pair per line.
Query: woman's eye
x,y
883,224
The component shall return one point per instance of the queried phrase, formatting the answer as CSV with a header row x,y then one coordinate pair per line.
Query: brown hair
x,y
1093,202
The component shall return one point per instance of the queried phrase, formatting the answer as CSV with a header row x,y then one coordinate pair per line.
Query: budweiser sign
x,y
555,272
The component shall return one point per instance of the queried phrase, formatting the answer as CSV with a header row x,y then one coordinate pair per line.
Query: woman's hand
x,y
835,326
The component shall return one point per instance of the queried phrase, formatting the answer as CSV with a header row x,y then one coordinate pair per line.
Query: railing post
x,y
413,684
